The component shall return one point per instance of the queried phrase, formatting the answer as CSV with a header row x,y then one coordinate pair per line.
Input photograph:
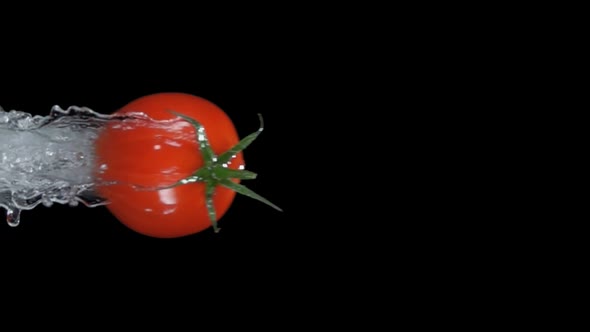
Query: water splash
x,y
51,159
47,159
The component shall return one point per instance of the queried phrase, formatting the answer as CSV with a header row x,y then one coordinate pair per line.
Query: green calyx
x,y
215,171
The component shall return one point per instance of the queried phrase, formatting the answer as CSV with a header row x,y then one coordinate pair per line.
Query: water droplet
x,y
46,201
172,143
169,170
13,217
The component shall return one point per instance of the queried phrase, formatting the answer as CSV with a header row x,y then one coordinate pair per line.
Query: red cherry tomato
x,y
155,157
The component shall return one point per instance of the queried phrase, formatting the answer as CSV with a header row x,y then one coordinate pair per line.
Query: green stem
x,y
215,171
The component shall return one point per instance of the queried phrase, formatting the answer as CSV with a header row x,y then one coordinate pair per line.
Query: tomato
x,y
159,179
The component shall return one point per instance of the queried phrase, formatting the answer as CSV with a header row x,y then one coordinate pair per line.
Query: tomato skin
x,y
157,157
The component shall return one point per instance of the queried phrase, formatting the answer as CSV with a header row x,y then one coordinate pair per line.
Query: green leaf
x,y
243,144
209,191
228,173
240,189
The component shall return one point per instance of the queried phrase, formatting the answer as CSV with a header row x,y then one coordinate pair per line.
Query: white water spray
x,y
48,159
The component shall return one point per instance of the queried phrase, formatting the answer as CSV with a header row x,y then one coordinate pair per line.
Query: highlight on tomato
x,y
176,179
